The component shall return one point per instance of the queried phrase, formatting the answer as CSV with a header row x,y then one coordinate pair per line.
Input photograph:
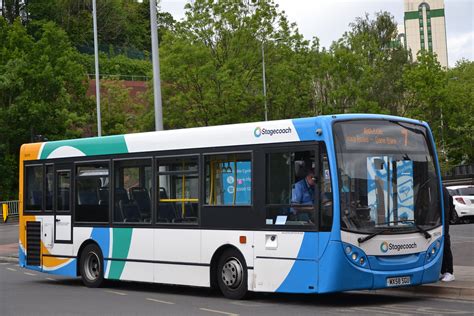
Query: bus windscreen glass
x,y
387,177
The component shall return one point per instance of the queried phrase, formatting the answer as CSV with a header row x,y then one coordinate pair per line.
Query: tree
x,y
212,61
41,86
362,71
457,112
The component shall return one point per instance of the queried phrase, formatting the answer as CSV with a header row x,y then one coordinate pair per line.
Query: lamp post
x,y
156,68
96,58
264,81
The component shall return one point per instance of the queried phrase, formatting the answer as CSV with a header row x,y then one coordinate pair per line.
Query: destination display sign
x,y
380,135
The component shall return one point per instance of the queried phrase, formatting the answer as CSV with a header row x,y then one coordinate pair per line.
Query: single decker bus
x,y
309,205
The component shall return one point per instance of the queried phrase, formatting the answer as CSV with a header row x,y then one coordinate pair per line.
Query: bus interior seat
x,y
142,198
129,210
120,195
166,210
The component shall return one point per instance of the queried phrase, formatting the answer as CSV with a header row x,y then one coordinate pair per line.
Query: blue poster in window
x,y
377,188
406,205
240,188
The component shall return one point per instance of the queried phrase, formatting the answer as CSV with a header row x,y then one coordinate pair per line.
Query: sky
x,y
329,19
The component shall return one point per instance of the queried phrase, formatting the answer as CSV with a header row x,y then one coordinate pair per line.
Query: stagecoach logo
x,y
384,246
257,132
270,132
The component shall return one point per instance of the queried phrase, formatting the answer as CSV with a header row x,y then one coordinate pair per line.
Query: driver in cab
x,y
303,190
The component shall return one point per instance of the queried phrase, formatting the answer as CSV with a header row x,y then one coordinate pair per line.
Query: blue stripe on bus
x,y
67,270
101,235
305,127
303,276
21,257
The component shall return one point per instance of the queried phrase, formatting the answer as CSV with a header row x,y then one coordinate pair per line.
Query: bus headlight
x,y
433,250
355,255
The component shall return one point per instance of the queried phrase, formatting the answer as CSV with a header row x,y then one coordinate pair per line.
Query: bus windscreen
x,y
387,176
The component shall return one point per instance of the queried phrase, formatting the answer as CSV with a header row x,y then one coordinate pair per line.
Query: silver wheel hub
x,y
232,273
92,266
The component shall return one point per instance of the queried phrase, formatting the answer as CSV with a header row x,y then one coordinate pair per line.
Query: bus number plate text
x,y
398,281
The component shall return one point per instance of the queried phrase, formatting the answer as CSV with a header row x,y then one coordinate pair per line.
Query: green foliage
x,y
211,70
362,72
120,112
212,65
41,84
120,23
116,65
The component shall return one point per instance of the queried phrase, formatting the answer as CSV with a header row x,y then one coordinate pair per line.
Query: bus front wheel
x,y
232,274
91,264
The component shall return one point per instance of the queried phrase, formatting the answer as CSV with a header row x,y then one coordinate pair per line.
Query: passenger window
x,y
229,179
63,193
132,193
290,183
178,183
49,188
326,198
91,204
33,188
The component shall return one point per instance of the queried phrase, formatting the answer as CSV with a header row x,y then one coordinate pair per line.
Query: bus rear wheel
x,y
232,274
91,265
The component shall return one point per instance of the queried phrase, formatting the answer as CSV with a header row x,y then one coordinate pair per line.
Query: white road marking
x,y
247,304
115,292
4,263
11,269
51,279
159,301
379,310
218,312
28,273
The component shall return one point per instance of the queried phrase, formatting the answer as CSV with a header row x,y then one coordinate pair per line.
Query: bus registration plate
x,y
398,281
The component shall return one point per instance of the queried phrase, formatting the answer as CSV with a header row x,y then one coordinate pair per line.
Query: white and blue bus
x,y
215,206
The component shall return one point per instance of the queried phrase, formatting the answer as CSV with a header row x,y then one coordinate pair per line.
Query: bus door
x,y
286,254
63,202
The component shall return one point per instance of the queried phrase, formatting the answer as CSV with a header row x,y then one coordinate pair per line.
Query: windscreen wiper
x,y
364,239
420,229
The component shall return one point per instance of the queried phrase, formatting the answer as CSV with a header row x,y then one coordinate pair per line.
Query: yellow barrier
x,y
5,212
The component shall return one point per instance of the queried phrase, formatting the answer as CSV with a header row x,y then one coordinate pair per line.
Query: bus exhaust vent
x,y
33,243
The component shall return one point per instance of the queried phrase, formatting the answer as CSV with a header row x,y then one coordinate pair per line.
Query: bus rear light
x,y
243,239
460,200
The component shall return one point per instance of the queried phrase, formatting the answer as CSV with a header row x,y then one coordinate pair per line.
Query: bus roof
x,y
291,130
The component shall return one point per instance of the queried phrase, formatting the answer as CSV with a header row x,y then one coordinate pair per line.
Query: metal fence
x,y
120,77
12,209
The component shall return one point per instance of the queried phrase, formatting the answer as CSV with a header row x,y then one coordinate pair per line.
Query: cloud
x,y
460,46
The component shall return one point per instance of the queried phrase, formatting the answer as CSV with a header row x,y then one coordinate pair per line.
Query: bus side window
x,y
90,178
289,196
33,188
326,197
132,192
178,190
229,179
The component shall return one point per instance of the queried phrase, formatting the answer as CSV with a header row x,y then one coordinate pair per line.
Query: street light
x,y
264,81
96,59
156,68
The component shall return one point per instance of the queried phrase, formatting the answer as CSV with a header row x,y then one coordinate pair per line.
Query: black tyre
x,y
454,217
92,266
232,274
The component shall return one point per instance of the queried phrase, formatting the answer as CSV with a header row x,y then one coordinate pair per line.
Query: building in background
x,y
425,28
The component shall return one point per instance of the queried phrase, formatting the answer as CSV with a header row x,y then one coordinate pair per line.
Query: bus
x,y
219,206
